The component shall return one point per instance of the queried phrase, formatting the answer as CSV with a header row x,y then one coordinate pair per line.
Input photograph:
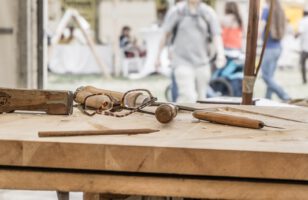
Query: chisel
x,y
230,120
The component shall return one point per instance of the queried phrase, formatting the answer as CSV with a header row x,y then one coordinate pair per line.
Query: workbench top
x,y
185,146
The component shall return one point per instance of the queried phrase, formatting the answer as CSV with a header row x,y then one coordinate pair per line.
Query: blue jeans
x,y
269,66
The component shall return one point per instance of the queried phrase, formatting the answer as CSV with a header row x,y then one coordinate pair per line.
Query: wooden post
x,y
91,44
63,195
41,44
91,196
251,52
24,36
116,45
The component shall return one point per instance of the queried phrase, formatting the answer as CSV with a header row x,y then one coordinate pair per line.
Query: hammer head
x,y
165,113
51,102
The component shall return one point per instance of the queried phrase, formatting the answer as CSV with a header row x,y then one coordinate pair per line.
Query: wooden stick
x,y
96,132
251,51
93,49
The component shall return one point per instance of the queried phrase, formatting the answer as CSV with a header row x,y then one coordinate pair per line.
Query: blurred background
x,y
64,44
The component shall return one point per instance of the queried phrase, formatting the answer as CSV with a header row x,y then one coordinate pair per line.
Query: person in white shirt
x,y
191,25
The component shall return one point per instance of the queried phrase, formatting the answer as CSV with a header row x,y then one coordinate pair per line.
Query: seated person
x,y
129,45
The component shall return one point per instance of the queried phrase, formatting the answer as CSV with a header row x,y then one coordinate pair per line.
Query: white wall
x,y
8,44
112,17
54,14
18,51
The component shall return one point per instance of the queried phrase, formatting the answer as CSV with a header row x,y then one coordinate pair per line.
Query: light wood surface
x,y
152,185
185,146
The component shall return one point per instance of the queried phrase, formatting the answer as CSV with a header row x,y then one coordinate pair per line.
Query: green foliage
x,y
162,4
210,2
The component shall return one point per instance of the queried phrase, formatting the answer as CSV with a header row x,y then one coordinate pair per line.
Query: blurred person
x,y
68,36
303,34
290,47
232,27
273,49
129,44
190,26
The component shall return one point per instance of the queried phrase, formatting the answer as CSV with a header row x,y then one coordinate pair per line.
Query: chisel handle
x,y
230,120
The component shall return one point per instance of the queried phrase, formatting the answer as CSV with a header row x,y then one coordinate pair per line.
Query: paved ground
x,y
289,79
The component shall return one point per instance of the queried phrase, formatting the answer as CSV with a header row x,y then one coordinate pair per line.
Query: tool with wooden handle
x,y
230,120
96,132
96,98
178,106
165,113
51,102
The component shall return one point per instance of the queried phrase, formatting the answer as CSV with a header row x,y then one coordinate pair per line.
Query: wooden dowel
x,y
96,132
251,52
94,51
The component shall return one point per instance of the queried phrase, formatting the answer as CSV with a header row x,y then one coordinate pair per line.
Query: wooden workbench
x,y
187,158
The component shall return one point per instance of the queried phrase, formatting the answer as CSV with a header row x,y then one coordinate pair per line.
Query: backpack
x,y
181,12
278,27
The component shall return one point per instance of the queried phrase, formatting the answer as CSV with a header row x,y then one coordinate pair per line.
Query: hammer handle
x,y
96,101
94,90
132,100
228,120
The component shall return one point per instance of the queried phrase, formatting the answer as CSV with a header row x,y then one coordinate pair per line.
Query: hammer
x,y
165,113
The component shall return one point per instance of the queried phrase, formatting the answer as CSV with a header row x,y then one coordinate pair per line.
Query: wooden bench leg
x,y
91,196
63,195
95,196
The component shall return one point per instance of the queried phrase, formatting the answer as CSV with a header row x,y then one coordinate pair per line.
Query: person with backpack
x,y
273,48
190,28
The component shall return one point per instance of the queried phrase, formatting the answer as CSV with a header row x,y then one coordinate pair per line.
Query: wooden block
x,y
51,102
178,186
63,195
97,196
182,147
